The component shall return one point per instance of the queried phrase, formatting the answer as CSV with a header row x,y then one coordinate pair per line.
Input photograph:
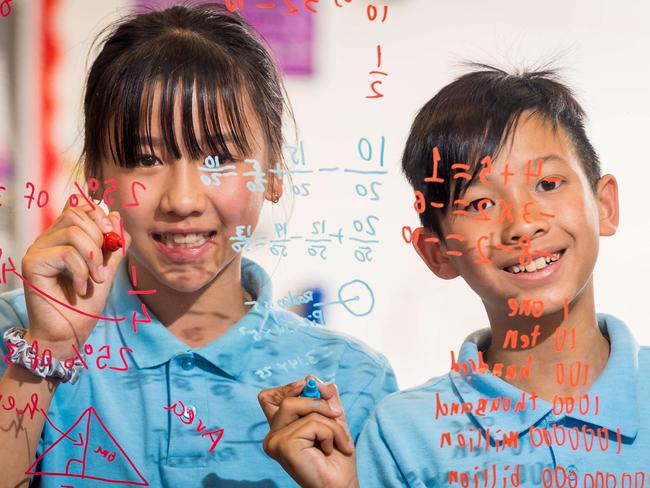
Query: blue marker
x,y
311,389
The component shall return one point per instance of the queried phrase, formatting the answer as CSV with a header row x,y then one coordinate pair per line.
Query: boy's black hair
x,y
473,117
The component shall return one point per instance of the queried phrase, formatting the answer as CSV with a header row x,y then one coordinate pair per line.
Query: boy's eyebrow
x,y
551,157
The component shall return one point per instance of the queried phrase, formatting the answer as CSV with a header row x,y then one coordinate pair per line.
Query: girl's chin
x,y
183,280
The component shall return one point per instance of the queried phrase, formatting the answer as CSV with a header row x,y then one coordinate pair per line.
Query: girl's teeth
x,y
184,240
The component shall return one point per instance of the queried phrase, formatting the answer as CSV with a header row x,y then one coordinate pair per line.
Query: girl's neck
x,y
549,346
200,317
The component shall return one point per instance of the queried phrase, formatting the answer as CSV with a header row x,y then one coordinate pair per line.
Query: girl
x,y
157,356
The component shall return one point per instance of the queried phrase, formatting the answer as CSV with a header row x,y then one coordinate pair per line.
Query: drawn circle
x,y
73,200
209,162
357,297
361,190
88,349
93,184
205,179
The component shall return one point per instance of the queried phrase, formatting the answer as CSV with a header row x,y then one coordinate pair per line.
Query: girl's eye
x,y
146,160
548,184
480,204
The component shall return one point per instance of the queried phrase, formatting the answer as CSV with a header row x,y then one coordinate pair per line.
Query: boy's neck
x,y
585,344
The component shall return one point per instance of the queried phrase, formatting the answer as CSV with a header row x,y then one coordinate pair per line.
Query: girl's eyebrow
x,y
157,142
144,141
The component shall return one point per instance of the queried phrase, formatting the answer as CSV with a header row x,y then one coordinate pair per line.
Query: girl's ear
x,y
273,188
607,196
432,252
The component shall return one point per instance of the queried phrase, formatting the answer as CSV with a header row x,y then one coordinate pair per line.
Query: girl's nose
x,y
184,193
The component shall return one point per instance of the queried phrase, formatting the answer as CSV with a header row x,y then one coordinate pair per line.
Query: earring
x,y
275,198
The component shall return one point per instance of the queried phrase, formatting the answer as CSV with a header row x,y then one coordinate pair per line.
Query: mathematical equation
x,y
5,8
317,242
42,197
374,14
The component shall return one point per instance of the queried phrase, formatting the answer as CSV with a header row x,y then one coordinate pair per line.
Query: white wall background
x,y
418,318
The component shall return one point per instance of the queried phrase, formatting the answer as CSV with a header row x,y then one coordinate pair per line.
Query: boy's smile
x,y
527,233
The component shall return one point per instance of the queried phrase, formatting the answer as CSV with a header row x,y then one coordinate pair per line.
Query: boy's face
x,y
554,214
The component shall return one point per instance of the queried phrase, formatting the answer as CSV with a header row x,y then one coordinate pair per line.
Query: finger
x,y
94,211
327,390
60,259
270,399
292,408
312,423
80,217
83,243
334,401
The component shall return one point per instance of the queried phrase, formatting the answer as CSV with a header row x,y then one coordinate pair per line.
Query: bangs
x,y
473,144
155,80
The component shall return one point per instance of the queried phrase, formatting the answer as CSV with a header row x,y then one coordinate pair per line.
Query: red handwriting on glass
x,y
5,8
109,456
376,83
188,413
12,269
42,197
41,200
234,5
32,407
373,14
45,358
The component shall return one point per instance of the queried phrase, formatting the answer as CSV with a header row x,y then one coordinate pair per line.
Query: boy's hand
x,y
309,437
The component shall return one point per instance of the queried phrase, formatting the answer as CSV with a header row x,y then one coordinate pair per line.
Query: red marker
x,y
112,242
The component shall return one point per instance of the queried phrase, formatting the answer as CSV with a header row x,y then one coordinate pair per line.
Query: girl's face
x,y
181,226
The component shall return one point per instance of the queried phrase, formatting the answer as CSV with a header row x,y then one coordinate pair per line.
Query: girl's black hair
x,y
201,51
473,117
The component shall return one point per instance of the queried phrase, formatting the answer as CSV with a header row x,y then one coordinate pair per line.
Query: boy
x,y
511,199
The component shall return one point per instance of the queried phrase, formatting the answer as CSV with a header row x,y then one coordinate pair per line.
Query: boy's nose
x,y
525,220
184,193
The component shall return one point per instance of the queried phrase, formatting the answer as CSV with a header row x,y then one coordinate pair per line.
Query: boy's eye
x,y
548,184
146,160
480,204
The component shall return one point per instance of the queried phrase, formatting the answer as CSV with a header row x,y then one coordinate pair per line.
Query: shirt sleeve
x,y
376,465
382,383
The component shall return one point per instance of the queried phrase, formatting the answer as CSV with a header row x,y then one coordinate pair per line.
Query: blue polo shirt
x,y
152,411
429,435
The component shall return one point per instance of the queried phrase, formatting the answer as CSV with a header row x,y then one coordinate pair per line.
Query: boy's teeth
x,y
534,265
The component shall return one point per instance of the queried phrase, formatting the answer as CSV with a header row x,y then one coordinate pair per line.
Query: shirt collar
x,y
153,344
618,380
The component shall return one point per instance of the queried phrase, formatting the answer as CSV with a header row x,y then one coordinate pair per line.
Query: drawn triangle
x,y
90,438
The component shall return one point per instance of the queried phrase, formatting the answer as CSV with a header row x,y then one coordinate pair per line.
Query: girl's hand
x,y
66,262
309,437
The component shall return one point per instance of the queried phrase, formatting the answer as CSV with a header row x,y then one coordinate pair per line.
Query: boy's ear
x,y
431,252
607,199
